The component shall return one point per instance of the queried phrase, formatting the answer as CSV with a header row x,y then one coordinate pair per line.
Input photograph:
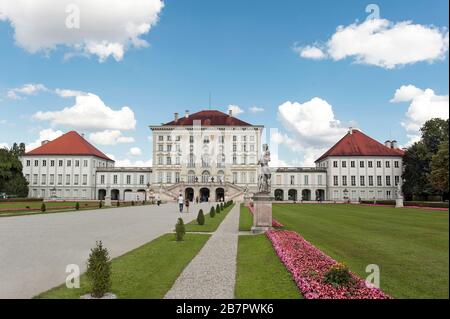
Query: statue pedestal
x,y
108,201
399,203
262,217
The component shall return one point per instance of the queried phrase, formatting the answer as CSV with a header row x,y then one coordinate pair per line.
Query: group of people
x,y
183,202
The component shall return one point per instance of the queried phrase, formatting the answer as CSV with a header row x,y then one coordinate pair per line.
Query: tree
x,y
180,230
434,133
439,169
12,180
200,217
99,271
417,167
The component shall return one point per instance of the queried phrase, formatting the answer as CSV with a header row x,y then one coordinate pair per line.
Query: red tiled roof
x,y
359,144
208,118
70,143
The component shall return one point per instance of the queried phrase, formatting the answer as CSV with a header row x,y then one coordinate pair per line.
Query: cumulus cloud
x,y
235,109
310,52
383,43
110,137
313,126
66,93
27,89
44,135
135,151
255,109
424,105
104,28
130,163
90,113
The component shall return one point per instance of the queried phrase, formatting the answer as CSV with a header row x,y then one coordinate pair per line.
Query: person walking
x,y
181,203
158,200
187,205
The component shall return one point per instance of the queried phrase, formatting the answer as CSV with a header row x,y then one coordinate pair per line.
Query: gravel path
x,y
212,273
36,249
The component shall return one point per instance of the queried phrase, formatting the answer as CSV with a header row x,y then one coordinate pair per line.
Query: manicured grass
x,y
245,219
211,224
411,246
146,272
260,273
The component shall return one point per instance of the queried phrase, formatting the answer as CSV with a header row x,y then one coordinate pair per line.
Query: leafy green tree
x,y
99,271
180,230
434,133
200,217
417,167
439,169
12,180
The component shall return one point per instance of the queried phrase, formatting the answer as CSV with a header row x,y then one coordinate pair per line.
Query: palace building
x,y
211,156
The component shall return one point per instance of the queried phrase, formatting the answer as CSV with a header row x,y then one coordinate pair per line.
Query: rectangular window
x,y
69,163
36,163
169,147
115,179
52,179
84,179
35,179
370,180
67,179
169,160
160,177
388,181
27,177
397,180
361,164
102,179
335,164
44,179
60,163
128,179
77,163
379,181
44,163
336,180
168,177
142,179
28,163
344,164
235,176
378,164
370,164
353,180
292,180
319,179
352,164
191,139
85,163
388,164
52,163
306,179
397,164
169,137
362,181
344,180
234,138
160,138
60,181
177,177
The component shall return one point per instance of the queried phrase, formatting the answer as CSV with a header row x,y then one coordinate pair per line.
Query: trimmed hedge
x,y
408,203
13,200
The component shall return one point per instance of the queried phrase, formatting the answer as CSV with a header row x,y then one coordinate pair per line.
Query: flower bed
x,y
275,223
308,265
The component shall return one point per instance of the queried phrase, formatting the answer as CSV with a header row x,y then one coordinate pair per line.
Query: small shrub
x,y
77,206
180,230
28,207
99,271
86,205
100,204
212,212
218,209
338,275
132,203
118,203
43,208
221,206
200,217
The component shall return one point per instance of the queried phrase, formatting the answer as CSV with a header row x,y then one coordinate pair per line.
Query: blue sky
x,y
243,53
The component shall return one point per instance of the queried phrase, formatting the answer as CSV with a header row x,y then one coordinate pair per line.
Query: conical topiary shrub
x,y
77,206
212,212
221,206
218,209
180,230
200,217
43,208
99,271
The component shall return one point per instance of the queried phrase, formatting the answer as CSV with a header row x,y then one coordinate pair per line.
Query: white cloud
x,y
110,137
65,93
255,109
235,109
135,151
90,113
130,163
27,89
310,52
424,105
44,135
313,126
385,44
107,27
4,145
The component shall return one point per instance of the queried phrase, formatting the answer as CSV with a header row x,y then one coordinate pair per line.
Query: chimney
x,y
394,144
44,142
230,112
388,144
175,115
186,114
350,130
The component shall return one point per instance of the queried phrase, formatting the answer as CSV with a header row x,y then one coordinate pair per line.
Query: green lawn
x,y
37,205
260,273
411,246
245,219
146,272
211,224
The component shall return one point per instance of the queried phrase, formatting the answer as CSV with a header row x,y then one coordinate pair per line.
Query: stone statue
x,y
264,179
399,191
399,200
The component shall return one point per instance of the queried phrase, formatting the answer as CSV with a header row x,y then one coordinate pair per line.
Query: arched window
x,y
205,176
191,177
